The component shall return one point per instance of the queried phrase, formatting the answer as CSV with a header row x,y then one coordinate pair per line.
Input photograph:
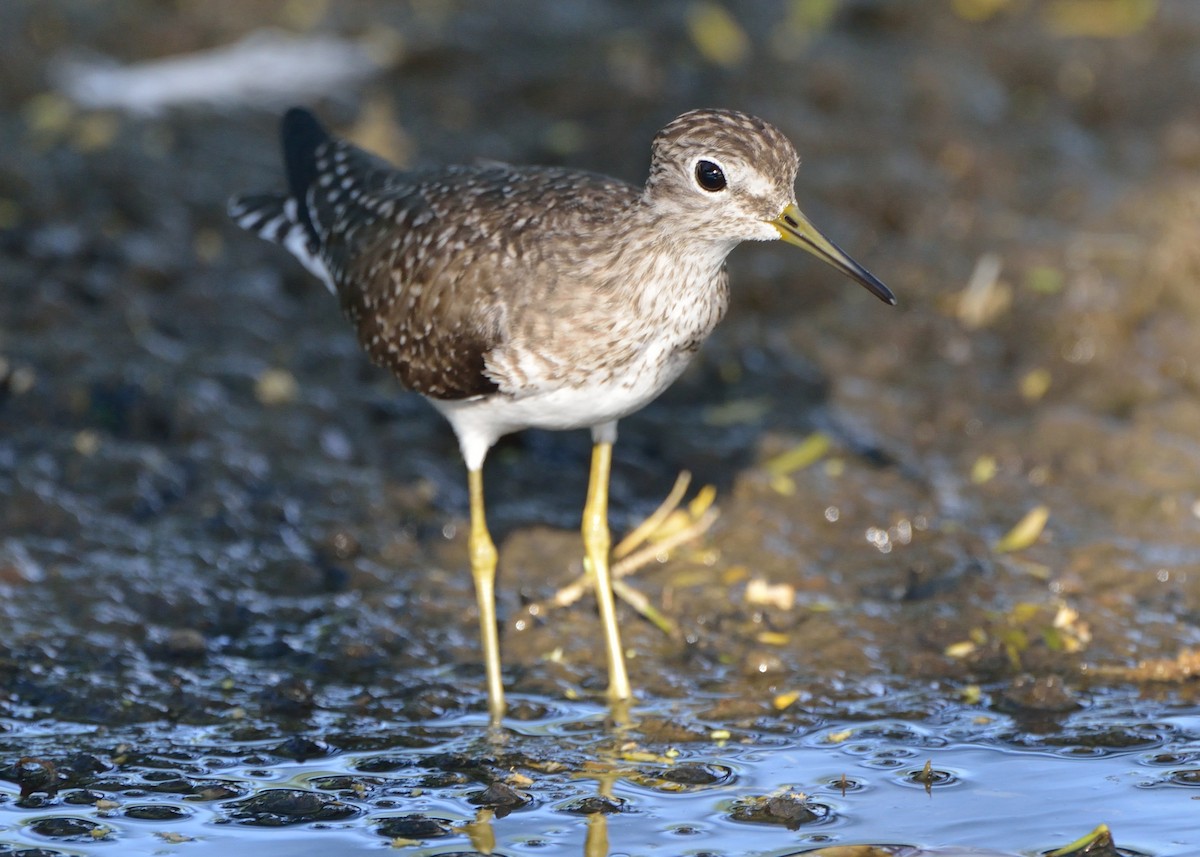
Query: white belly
x,y
480,422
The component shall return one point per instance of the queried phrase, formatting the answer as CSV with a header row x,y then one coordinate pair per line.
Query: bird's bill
x,y
794,228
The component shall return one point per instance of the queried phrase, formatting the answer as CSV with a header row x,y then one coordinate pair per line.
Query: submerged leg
x,y
596,543
483,569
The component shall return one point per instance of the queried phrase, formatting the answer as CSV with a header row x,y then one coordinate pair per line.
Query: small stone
x,y
67,827
282,807
413,826
602,804
276,387
156,812
501,797
1043,694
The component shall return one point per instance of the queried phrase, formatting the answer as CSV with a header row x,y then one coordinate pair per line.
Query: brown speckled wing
x,y
461,280
379,230
431,268
415,310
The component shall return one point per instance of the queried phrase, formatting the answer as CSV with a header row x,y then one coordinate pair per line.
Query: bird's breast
x,y
636,335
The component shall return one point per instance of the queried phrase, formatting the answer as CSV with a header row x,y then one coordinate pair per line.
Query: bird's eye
x,y
709,176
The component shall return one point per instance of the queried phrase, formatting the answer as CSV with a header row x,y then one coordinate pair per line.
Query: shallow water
x,y
753,791
232,554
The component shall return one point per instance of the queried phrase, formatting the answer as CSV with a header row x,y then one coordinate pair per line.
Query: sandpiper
x,y
522,297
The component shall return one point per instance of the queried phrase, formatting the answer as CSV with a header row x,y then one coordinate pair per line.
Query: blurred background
x,y
985,500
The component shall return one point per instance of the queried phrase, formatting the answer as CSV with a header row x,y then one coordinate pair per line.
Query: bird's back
x,y
431,266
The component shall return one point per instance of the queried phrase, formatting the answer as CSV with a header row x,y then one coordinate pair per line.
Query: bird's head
x,y
729,177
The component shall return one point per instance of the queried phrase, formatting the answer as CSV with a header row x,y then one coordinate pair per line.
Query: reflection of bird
x,y
519,297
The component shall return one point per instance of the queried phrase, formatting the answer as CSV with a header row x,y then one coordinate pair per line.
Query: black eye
x,y
709,176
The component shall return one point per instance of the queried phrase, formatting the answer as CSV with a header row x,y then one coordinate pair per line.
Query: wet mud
x,y
233,586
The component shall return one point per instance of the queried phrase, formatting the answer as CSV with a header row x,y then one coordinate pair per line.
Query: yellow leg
x,y
596,543
483,569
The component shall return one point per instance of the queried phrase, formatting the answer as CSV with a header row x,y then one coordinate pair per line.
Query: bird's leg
x,y
483,569
667,528
596,543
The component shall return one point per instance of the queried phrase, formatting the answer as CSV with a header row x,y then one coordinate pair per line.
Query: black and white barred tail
x,y
285,219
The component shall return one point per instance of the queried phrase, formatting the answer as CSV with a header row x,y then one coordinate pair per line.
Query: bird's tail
x,y
300,135
286,218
